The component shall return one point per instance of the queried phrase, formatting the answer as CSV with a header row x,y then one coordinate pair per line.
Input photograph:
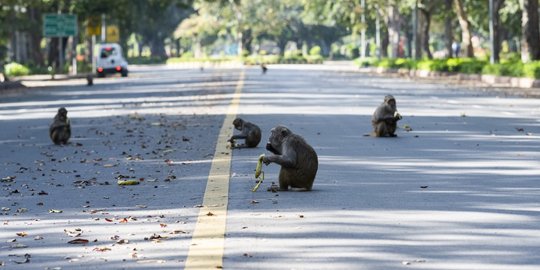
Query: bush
x,y
145,60
532,70
15,69
315,51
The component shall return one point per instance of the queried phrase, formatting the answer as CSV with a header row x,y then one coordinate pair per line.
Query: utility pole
x,y
378,33
415,51
363,31
60,50
103,29
491,34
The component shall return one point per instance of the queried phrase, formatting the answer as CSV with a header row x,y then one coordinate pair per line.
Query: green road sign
x,y
59,25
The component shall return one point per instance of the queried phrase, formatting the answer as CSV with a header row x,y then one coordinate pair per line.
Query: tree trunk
x,y
384,42
466,34
425,31
393,30
35,37
157,48
449,37
530,50
497,4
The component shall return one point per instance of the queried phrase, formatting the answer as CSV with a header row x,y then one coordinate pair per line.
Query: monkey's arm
x,y
287,160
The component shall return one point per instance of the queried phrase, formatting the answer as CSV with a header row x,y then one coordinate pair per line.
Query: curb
x,y
488,80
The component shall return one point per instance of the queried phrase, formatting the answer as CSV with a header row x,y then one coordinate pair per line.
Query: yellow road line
x,y
207,243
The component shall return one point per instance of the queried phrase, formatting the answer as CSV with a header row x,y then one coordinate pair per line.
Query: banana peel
x,y
128,182
258,173
258,169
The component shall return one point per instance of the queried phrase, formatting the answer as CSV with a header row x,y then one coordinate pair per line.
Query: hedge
x,y
462,65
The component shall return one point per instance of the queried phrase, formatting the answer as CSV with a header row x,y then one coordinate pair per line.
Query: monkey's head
x,y
62,112
277,136
391,101
238,123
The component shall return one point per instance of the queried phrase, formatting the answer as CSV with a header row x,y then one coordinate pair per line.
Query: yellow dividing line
x,y
207,243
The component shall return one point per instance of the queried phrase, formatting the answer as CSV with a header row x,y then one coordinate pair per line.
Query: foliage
x,y
15,69
461,65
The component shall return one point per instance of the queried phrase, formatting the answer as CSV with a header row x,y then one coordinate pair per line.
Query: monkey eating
x,y
60,129
385,118
249,132
298,160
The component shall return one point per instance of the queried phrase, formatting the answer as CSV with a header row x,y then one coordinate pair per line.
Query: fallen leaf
x,y
18,245
127,182
39,237
22,234
108,220
55,211
75,233
26,258
101,249
163,225
8,179
210,214
151,261
43,193
79,241
122,241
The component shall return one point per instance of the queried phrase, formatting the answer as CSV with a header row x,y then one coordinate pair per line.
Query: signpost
x,y
59,25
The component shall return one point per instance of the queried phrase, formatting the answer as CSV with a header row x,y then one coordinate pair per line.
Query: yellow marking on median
x,y
207,243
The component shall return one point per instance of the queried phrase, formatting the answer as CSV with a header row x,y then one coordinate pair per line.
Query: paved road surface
x,y
459,191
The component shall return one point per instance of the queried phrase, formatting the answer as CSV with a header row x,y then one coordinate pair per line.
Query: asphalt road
x,y
459,191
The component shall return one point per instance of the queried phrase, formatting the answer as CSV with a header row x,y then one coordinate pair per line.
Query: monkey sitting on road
x,y
249,132
264,68
60,129
385,118
298,160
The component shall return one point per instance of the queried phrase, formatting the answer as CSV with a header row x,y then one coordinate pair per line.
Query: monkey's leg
x,y
284,179
381,129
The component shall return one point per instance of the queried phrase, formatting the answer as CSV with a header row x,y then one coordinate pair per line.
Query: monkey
x,y
89,80
264,68
249,132
60,129
385,118
298,160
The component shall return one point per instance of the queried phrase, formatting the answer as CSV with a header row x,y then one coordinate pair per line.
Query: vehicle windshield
x,y
107,51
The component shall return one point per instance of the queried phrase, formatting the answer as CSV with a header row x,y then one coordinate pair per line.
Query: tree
x,y
466,35
530,50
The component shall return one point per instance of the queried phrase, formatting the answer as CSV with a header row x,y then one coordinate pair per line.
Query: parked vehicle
x,y
110,60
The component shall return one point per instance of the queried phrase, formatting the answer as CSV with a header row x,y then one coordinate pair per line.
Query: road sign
x,y
59,25
113,34
93,27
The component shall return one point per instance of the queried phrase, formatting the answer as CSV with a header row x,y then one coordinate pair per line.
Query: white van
x,y
109,60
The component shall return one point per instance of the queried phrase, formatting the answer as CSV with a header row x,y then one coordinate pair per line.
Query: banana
x,y
258,169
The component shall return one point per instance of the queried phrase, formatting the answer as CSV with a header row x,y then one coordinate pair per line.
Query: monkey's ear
x,y
284,132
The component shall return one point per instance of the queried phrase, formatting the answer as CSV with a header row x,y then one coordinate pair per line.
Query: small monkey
x,y
60,129
298,160
264,68
249,132
385,118
89,80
